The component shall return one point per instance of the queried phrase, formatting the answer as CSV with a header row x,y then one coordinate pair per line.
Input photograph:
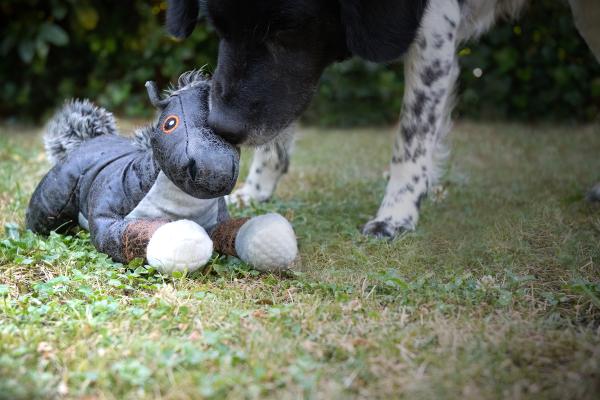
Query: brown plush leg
x,y
136,236
224,235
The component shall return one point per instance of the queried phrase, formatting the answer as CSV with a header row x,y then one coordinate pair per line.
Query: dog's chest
x,y
167,201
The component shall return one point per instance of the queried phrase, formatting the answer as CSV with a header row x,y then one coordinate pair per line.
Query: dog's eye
x,y
171,123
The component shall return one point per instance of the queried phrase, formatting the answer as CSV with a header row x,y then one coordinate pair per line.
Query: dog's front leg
x,y
269,164
430,72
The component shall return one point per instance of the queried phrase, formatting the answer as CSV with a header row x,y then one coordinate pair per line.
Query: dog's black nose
x,y
226,126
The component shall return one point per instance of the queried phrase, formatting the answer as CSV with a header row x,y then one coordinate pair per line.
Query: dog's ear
x,y
381,30
182,16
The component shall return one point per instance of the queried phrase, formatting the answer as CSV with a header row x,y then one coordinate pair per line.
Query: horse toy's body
x,y
158,196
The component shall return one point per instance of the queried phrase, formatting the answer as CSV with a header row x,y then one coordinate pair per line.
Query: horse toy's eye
x,y
170,124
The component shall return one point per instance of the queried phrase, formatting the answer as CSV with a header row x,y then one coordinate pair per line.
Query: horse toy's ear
x,y
154,96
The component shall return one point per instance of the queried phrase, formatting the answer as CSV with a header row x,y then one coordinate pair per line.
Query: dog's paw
x,y
247,195
179,246
385,229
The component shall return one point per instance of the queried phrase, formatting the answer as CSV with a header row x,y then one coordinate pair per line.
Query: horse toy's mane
x,y
158,195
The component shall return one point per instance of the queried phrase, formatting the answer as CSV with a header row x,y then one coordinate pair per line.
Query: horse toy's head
x,y
192,156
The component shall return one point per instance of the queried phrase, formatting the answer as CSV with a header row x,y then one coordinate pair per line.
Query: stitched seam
x,y
75,190
187,135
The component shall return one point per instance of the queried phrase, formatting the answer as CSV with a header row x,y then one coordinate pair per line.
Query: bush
x,y
538,68
57,49
90,48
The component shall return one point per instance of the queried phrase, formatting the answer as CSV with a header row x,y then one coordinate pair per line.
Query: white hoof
x,y
267,242
179,246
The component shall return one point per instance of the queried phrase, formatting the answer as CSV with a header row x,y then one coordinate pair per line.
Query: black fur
x,y
381,30
272,53
182,16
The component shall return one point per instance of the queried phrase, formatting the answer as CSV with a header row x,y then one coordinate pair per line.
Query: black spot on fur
x,y
283,157
409,131
258,170
432,119
434,72
257,186
430,75
451,22
419,104
420,151
438,41
416,178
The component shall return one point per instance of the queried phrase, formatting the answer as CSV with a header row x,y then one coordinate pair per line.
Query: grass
x,y
497,294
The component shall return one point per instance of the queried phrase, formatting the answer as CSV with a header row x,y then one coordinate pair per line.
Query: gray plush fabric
x,y
594,194
141,137
76,122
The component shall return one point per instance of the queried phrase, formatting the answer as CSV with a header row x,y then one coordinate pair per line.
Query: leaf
x,y
54,34
505,297
87,17
115,283
42,49
26,51
59,11
12,230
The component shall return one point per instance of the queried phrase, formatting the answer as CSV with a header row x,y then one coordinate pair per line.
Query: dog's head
x,y
273,52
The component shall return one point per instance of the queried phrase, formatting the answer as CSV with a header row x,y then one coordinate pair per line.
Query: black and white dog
x,y
272,53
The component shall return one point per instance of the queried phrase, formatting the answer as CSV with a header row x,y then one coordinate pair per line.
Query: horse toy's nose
x,y
213,165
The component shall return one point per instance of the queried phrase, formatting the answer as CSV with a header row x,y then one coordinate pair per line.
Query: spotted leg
x,y
269,164
430,70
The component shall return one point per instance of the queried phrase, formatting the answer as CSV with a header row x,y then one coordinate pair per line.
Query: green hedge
x,y
536,69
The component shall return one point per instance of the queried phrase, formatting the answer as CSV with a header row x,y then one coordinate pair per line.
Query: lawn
x,y
496,295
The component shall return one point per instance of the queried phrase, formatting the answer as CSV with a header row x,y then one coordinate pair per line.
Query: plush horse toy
x,y
157,196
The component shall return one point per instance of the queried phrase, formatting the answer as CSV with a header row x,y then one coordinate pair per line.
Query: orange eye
x,y
171,123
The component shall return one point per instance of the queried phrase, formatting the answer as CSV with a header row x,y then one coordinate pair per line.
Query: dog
x,y
273,52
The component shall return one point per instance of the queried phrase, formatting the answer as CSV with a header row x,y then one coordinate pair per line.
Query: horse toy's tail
x,y
76,122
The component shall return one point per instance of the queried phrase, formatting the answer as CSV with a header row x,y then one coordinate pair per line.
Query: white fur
x,y
269,164
179,246
267,242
